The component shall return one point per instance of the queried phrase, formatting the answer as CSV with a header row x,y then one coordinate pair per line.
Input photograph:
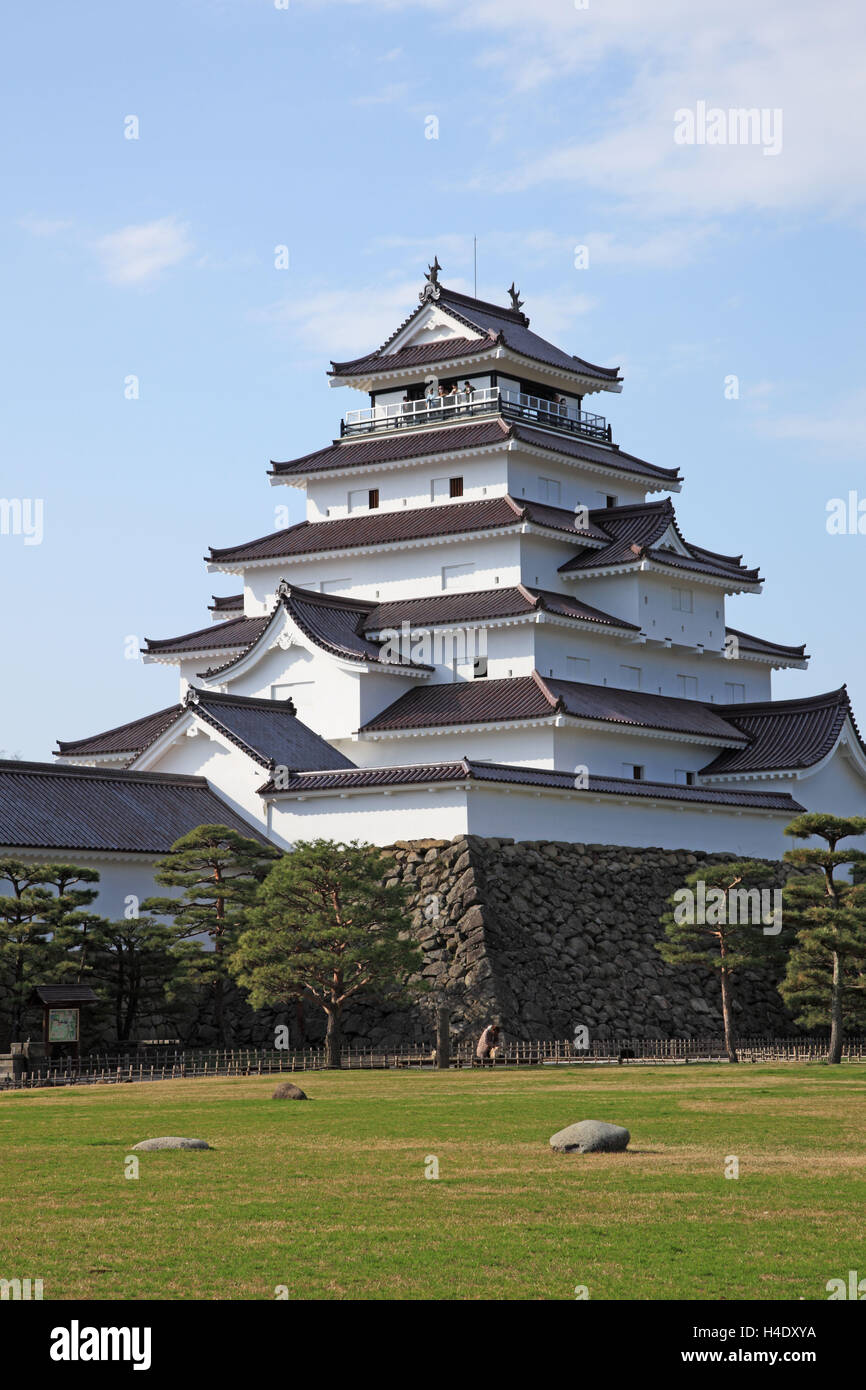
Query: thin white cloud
x,y
837,427
394,91
45,226
136,255
343,322
668,56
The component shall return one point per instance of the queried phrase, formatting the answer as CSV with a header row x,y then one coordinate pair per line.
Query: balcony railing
x,y
488,400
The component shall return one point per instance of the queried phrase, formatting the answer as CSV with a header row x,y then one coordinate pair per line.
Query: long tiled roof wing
x,y
44,806
748,642
125,738
534,697
400,445
478,605
233,632
227,603
416,774
414,523
783,735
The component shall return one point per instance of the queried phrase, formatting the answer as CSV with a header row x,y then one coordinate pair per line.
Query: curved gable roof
x,y
784,735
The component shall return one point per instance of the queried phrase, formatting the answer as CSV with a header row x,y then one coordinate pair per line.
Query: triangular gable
x,y
331,626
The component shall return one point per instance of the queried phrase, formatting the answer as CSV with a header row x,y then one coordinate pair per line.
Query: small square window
x,y
373,498
455,487
479,667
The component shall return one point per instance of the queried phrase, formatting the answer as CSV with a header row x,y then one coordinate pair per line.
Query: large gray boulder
x,y
589,1137
288,1091
171,1141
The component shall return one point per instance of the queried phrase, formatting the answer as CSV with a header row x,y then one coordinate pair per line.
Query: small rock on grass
x,y
171,1141
590,1136
288,1091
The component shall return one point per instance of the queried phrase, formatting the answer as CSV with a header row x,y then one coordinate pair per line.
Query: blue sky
x,y
305,127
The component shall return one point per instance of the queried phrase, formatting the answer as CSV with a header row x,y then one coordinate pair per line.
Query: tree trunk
x,y
726,1016
836,1030
333,1039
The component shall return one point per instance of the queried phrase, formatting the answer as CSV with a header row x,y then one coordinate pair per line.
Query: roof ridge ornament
x,y
432,289
192,696
516,301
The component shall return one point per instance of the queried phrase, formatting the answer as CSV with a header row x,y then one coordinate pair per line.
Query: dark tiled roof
x,y
783,734
265,729
126,738
418,355
499,325
636,531
231,603
536,697
233,632
393,447
614,458
43,806
468,770
467,702
765,647
63,994
478,605
401,445
334,623
392,527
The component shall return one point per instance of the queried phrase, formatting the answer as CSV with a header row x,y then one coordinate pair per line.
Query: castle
x,y
489,623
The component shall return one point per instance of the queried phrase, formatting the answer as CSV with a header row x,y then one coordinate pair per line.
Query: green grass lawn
x,y
329,1197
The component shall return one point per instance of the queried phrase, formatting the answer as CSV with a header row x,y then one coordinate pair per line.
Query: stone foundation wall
x,y
540,937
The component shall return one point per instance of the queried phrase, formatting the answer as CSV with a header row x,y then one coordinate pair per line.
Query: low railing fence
x,y
178,1064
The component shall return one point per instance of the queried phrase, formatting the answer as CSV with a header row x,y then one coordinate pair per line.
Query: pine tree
x,y
326,927
141,968
219,872
40,910
708,926
825,979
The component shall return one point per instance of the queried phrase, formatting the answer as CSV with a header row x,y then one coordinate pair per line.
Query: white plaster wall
x,y
120,877
659,666
411,573
523,815
229,771
577,486
528,747
659,618
612,754
374,818
602,820
483,475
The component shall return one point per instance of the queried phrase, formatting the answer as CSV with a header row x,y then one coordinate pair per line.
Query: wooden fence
x,y
178,1064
